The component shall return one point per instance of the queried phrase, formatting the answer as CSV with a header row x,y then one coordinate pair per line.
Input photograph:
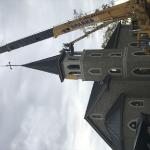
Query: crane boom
x,y
114,13
27,40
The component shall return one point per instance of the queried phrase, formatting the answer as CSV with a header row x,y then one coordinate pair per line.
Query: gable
x,y
114,120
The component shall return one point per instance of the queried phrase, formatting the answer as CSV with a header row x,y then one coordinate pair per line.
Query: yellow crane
x,y
137,9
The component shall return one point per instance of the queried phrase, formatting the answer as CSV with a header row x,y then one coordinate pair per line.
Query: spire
x,y
51,65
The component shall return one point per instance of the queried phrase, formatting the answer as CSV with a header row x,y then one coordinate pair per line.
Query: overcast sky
x,y
37,111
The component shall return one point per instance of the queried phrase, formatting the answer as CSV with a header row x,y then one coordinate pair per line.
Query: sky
x,y
37,111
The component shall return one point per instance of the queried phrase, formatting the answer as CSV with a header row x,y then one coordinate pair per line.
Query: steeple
x,y
51,65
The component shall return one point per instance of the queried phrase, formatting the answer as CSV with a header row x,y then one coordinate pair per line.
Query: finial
x,y
9,65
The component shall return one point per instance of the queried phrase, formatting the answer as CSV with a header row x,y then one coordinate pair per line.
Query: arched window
x,y
115,70
136,103
132,125
115,54
96,54
75,67
140,53
73,58
97,116
75,73
95,71
142,71
133,44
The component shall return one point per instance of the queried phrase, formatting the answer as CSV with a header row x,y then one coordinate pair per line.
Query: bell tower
x,y
72,66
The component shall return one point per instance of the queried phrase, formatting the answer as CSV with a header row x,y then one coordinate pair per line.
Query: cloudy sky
x,y
37,111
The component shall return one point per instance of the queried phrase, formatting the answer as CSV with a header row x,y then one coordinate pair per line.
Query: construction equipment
x,y
139,9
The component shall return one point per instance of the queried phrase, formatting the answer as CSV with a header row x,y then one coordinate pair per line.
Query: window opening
x,y
142,71
73,58
75,73
115,70
96,54
76,67
115,54
137,103
141,53
133,44
132,125
95,71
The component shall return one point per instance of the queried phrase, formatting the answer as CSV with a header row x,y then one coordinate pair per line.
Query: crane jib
x,y
27,40
79,24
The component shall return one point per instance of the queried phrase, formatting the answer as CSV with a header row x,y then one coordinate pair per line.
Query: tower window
x,y
115,70
76,67
95,71
133,44
137,103
141,53
132,125
96,54
142,71
75,73
74,58
115,54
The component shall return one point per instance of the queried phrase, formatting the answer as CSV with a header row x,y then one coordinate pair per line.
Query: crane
x,y
137,9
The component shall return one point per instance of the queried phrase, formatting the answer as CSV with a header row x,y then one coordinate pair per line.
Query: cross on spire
x,y
9,65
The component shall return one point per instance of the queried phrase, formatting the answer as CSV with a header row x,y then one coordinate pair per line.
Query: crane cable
x,y
70,46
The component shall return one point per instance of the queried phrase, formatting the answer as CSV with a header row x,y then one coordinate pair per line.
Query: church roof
x,y
114,121
97,91
51,65
113,41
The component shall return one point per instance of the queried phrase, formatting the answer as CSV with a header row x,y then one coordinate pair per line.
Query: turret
x,y
72,66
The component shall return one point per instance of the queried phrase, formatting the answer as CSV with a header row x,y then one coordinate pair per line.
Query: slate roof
x,y
97,91
114,121
51,65
113,41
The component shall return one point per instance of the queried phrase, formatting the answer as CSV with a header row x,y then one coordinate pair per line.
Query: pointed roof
x,y
51,65
99,88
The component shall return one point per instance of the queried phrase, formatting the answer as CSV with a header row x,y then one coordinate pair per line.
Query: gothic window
x,y
136,103
95,71
140,53
97,116
75,73
115,54
96,54
74,58
75,67
115,70
142,71
133,44
132,125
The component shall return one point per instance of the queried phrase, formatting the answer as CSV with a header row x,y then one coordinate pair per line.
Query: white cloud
x,y
37,111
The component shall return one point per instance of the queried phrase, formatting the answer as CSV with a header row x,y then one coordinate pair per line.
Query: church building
x,y
119,104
